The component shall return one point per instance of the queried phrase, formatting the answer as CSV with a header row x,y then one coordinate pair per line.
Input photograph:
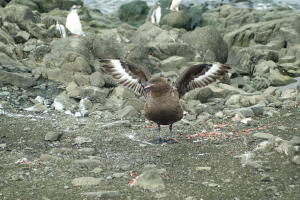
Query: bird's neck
x,y
162,91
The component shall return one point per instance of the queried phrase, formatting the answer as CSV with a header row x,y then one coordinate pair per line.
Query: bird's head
x,y
75,7
157,85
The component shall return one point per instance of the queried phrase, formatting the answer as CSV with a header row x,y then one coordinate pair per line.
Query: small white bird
x,y
73,21
61,29
175,5
156,14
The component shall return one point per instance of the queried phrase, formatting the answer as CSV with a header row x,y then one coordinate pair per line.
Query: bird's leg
x,y
160,138
170,128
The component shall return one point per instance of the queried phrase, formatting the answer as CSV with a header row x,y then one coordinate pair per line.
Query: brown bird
x,y
163,98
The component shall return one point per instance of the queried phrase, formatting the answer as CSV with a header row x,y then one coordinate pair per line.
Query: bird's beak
x,y
147,85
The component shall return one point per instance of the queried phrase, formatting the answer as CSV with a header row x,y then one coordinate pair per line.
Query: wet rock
x,y
150,180
79,140
87,181
53,136
105,194
208,43
87,163
134,13
177,20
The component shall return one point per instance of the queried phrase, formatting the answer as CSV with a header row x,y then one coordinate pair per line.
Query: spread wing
x,y
127,74
199,76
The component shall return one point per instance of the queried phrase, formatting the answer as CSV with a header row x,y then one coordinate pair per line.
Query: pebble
x,y
97,170
121,123
53,136
82,140
262,135
266,178
210,184
87,163
87,151
105,194
286,148
36,108
87,181
203,168
119,175
150,180
47,157
295,140
296,160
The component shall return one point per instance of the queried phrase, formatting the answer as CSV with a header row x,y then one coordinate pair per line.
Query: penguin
x,y
175,5
61,29
73,23
156,14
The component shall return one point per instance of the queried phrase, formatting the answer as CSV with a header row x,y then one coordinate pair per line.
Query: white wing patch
x,y
210,76
118,72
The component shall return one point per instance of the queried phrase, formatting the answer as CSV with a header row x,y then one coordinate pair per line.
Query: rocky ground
x,y
55,156
67,130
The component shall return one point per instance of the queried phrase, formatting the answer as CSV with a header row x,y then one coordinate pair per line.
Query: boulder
x,y
177,20
278,79
108,45
97,79
64,102
29,3
127,112
5,37
134,13
46,6
67,55
173,63
19,14
208,44
23,80
245,59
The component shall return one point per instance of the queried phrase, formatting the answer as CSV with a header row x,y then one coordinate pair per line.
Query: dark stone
x,y
177,20
134,13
